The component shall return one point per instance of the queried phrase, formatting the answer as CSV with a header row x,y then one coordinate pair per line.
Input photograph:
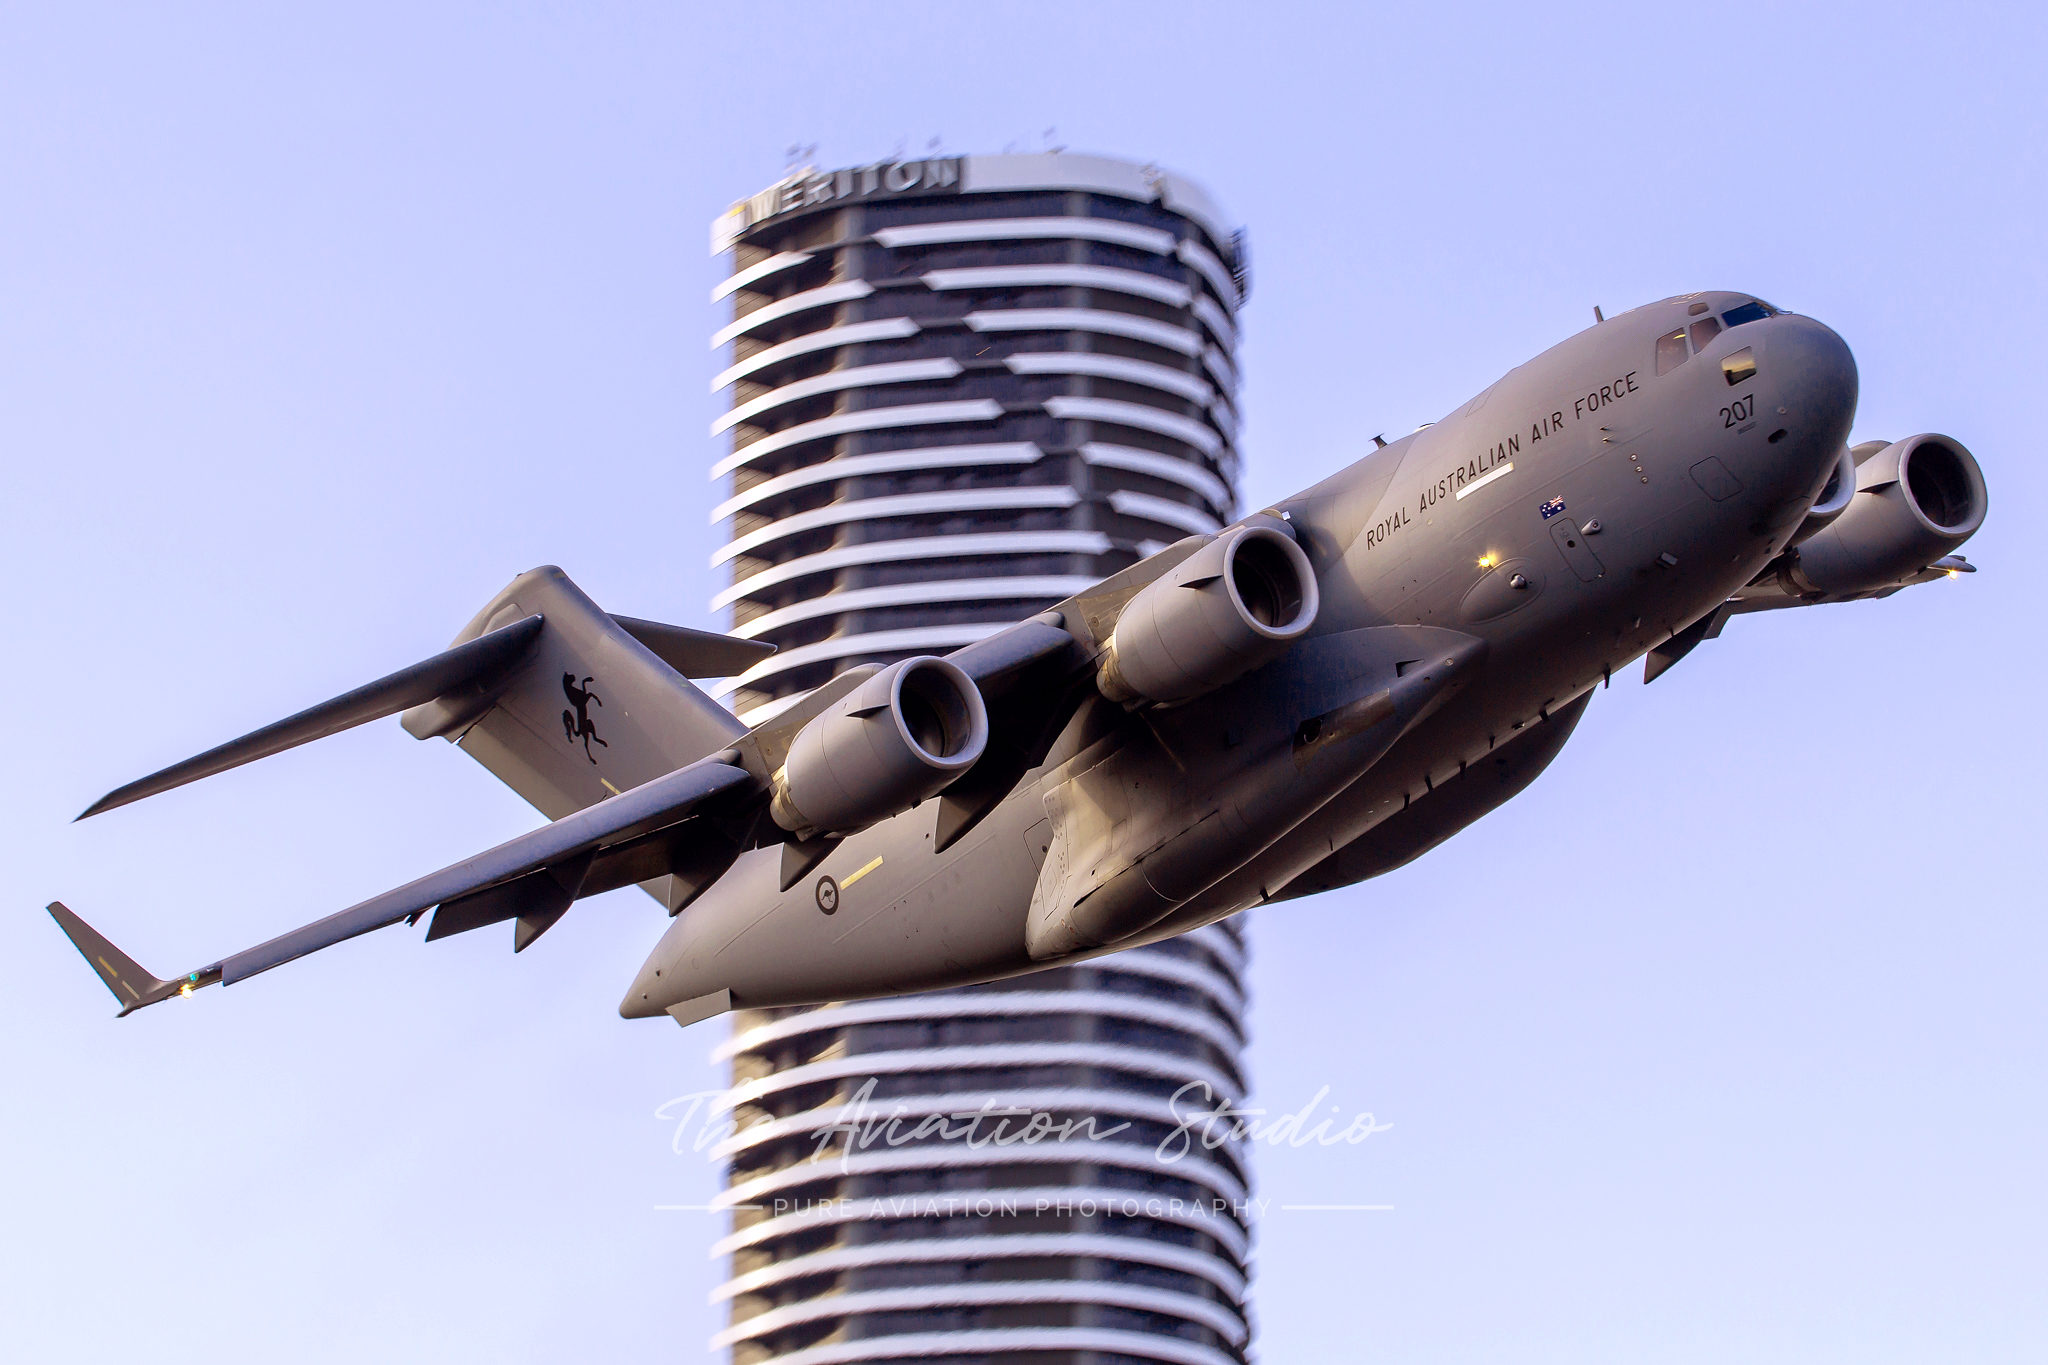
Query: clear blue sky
x,y
317,324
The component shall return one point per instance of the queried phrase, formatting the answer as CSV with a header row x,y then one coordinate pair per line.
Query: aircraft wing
x,y
387,696
631,837
533,878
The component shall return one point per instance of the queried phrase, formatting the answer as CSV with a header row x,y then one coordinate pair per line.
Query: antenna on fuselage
x,y
1598,316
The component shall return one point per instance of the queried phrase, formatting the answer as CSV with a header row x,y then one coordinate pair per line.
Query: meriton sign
x,y
822,189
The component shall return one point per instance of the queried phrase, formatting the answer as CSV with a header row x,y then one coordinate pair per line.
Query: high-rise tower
x,y
962,389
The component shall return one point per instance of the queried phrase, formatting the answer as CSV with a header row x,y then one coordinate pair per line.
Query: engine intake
x,y
1916,500
899,737
1232,605
1835,496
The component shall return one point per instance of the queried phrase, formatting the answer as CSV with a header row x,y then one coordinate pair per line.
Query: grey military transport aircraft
x,y
1307,698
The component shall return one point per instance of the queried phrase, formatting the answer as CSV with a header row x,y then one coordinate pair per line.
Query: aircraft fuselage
x,y
1475,577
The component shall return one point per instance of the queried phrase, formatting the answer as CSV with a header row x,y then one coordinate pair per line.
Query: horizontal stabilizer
x,y
466,664
577,845
695,653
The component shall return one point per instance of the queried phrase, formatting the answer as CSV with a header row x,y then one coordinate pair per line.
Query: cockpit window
x,y
1671,352
1753,311
1703,332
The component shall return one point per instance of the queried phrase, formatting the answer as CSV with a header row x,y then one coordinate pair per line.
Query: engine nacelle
x,y
901,736
1835,496
1916,500
1229,607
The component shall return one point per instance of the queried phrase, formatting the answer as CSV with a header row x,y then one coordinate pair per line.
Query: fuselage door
x,y
1571,543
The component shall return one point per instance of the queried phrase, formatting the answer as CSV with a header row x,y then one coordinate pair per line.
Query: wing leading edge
x,y
533,877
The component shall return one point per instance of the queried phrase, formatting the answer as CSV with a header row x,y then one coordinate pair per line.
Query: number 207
x,y
1741,410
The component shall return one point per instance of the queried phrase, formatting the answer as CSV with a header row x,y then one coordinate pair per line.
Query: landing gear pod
x,y
1231,606
901,736
1916,500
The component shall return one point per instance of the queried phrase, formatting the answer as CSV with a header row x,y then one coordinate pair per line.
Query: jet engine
x,y
901,736
1232,605
1835,496
1916,501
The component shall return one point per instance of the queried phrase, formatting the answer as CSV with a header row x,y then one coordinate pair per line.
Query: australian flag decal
x,y
1552,508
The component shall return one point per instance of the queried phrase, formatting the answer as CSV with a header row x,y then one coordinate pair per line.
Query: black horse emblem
x,y
577,724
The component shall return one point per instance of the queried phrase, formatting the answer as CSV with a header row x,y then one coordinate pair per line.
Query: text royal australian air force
x,y
1497,460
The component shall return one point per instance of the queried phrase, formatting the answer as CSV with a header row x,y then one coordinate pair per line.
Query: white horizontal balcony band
x,y
1220,939
1225,1229
1198,1168
1012,171
1109,1293
848,334
1008,1340
1225,400
1162,966
1166,468
1197,979
1219,324
920,638
1225,417
898,505
870,419
1220,366
824,296
1211,269
1135,282
1165,511
920,547
979,1005
1183,339
1112,1107
832,381
1137,1061
757,272
1179,383
1200,1265
1017,587
1132,235
885,462
1197,434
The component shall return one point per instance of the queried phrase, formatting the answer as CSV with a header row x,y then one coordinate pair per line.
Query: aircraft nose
x,y
1816,373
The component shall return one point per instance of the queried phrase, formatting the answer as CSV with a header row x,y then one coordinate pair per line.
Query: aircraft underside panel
x,y
1479,791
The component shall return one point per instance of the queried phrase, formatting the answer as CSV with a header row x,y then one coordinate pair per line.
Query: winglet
x,y
131,985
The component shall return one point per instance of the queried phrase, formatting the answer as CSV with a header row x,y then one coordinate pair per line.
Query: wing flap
x,y
643,810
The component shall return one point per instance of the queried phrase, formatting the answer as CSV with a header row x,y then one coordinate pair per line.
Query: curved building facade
x,y
961,390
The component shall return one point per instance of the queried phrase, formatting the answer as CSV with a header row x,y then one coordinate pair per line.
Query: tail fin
x,y
597,707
